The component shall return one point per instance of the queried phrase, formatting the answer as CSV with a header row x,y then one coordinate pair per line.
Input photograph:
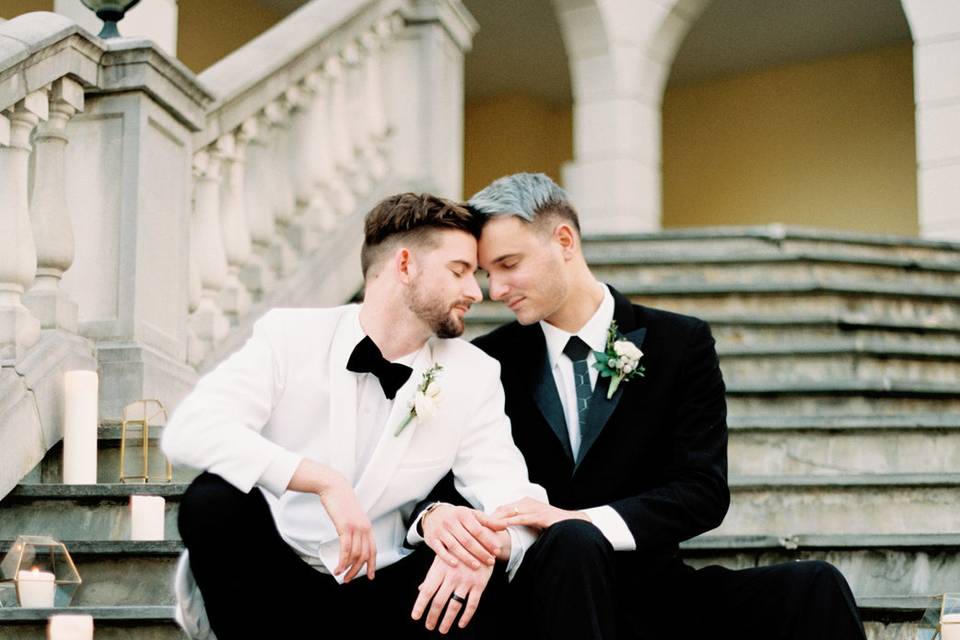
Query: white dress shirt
x,y
594,333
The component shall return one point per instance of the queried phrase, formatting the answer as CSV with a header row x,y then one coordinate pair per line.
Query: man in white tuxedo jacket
x,y
319,436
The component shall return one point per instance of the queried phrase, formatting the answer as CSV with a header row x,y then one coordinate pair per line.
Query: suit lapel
x,y
544,389
600,408
391,448
343,395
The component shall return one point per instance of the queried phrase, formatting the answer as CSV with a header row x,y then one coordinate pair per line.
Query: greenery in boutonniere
x,y
426,400
620,361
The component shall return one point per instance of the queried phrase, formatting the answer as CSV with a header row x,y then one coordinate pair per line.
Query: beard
x,y
436,314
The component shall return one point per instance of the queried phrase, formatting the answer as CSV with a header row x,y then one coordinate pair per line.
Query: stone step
x,y
733,330
876,566
891,576
82,512
122,573
884,619
761,505
110,623
638,269
773,239
862,504
841,397
897,444
50,469
866,302
840,359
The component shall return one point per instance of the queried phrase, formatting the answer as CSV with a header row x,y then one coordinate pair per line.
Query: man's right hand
x,y
357,545
461,534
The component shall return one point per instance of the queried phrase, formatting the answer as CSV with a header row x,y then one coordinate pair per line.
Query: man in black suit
x,y
631,469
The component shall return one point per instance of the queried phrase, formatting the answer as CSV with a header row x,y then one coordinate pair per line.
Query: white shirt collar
x,y
594,332
359,334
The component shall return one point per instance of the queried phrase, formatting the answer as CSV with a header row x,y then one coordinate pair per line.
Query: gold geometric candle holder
x,y
142,414
38,572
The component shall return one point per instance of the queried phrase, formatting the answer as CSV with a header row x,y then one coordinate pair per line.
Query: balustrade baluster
x,y
234,298
50,211
257,184
19,329
208,320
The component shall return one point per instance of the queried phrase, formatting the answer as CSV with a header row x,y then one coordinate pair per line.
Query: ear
x,y
568,240
404,264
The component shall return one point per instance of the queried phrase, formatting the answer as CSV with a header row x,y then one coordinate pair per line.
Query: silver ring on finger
x,y
459,598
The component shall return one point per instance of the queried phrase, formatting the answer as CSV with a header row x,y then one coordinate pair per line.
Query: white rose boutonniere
x,y
620,361
425,400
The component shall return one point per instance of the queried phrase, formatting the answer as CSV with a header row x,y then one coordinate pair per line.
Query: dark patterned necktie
x,y
578,350
367,358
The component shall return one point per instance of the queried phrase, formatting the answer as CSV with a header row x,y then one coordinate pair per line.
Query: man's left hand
x,y
535,514
438,589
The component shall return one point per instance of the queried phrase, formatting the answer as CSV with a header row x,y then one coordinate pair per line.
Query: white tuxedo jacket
x,y
287,395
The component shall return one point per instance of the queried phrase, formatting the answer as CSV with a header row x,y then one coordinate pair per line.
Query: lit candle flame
x,y
35,570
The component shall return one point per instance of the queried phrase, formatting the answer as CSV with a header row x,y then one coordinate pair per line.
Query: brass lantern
x,y
38,572
142,414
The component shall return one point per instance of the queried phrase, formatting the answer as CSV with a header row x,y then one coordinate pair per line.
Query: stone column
x,y
50,212
423,75
208,321
936,62
19,329
234,298
620,56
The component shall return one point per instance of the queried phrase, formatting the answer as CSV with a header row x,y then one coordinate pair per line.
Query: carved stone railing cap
x,y
41,47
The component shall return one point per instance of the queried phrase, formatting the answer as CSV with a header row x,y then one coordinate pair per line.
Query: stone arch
x,y
620,54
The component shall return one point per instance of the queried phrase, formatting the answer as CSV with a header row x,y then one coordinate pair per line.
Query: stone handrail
x,y
148,215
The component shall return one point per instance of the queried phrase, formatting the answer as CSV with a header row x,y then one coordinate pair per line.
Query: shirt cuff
x,y
276,478
613,527
413,535
520,540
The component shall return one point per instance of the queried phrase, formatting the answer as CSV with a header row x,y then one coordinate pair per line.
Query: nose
x,y
473,292
498,290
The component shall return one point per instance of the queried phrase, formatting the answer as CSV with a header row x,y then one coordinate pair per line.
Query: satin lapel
x,y
600,408
343,396
391,448
544,389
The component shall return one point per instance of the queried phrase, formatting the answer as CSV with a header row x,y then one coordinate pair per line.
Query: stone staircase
x,y
842,360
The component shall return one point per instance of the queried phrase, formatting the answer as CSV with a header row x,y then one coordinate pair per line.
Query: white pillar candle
x,y
950,626
70,627
36,588
80,417
146,517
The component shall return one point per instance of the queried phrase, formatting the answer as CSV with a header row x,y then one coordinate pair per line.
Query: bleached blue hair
x,y
525,195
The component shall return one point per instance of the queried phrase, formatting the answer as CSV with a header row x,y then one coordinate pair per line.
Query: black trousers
x,y
572,584
255,586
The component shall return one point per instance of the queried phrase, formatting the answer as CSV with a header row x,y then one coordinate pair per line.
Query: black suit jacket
x,y
656,452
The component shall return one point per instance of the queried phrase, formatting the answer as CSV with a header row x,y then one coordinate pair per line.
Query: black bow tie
x,y
367,358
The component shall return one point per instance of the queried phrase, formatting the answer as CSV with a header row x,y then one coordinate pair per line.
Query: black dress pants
x,y
255,586
572,584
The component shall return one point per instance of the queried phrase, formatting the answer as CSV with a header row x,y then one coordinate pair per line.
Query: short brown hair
x,y
411,217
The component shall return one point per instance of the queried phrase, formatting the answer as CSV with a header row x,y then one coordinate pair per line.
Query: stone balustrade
x,y
150,215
